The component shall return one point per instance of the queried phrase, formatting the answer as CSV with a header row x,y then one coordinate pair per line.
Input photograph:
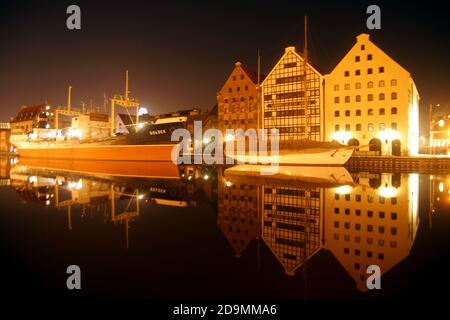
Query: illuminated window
x,y
336,113
370,112
393,82
357,59
394,110
381,111
382,126
358,112
394,95
336,99
370,127
381,83
381,96
347,113
370,84
369,71
358,85
358,98
336,87
358,72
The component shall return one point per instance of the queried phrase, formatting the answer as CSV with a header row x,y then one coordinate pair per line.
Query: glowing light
x,y
346,189
32,179
342,136
441,123
205,177
140,125
206,140
441,187
75,133
388,135
47,202
142,110
75,185
141,196
190,178
229,184
47,107
229,137
387,192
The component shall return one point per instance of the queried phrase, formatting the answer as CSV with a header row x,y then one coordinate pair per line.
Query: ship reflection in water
x,y
196,232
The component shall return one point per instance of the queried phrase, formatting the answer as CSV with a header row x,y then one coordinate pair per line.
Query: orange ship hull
x,y
149,169
102,152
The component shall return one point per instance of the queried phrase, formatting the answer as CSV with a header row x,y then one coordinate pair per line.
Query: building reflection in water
x,y
373,221
117,199
364,219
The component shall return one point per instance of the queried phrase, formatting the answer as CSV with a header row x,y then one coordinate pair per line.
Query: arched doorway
x,y
375,145
354,143
396,147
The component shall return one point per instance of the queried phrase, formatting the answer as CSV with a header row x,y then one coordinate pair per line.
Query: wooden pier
x,y
425,164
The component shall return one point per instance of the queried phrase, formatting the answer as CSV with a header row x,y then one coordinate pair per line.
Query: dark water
x,y
210,236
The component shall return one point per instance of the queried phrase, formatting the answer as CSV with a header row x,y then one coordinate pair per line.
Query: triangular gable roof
x,y
364,37
252,75
287,51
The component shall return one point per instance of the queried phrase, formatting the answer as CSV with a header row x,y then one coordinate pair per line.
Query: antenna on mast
x,y
126,85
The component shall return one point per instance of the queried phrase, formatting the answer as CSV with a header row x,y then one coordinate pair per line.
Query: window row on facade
x,y
370,198
369,227
370,85
369,71
237,89
369,240
370,97
381,214
370,112
370,127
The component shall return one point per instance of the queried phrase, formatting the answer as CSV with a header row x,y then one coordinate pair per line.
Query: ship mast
x,y
126,102
305,80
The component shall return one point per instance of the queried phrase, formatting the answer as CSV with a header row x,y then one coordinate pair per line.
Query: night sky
x,y
180,53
